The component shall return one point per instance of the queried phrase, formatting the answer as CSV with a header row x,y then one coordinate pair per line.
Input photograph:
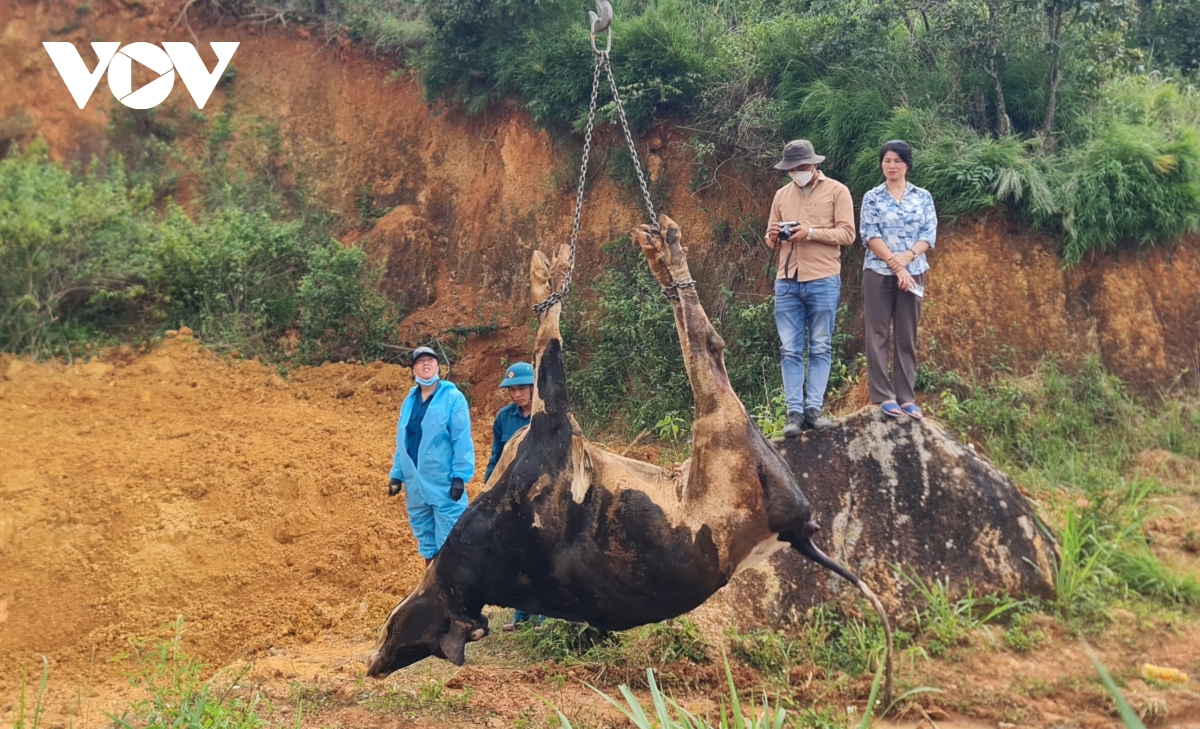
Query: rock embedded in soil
x,y
895,495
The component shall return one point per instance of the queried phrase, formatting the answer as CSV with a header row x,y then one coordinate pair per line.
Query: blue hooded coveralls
x,y
445,452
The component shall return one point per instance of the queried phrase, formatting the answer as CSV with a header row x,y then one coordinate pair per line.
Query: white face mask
x,y
802,178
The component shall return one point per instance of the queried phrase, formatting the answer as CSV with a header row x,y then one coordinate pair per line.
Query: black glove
x,y
394,486
456,489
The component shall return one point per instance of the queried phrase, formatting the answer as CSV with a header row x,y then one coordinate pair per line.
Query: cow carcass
x,y
572,531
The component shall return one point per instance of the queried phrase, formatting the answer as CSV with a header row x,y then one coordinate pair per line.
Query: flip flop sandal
x,y
892,409
912,410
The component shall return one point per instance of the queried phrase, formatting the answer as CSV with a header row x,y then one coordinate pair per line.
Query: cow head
x,y
423,625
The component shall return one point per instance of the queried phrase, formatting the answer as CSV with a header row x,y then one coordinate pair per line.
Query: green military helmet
x,y
518,373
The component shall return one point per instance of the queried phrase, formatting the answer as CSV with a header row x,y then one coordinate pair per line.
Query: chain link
x,y
558,296
637,165
601,62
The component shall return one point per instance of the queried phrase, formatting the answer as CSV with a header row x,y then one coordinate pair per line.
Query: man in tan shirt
x,y
812,218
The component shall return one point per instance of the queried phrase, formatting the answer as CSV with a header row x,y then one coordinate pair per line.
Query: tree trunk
x,y
1056,23
1003,124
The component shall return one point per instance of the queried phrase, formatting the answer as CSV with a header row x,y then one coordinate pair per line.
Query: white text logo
x,y
181,57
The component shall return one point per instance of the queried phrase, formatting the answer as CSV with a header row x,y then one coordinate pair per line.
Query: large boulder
x,y
894,494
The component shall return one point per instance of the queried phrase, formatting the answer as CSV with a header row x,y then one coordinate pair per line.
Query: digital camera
x,y
785,229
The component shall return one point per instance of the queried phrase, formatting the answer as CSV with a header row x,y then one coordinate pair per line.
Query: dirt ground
x,y
146,485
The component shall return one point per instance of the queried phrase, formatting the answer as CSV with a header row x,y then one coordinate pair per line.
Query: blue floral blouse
x,y
899,224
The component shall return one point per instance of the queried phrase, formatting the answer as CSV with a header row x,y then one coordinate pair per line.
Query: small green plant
x,y
432,698
177,696
1128,716
670,641
21,721
1022,635
670,427
368,211
566,642
945,622
767,651
665,713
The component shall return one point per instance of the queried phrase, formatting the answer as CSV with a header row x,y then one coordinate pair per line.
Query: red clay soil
x,y
144,486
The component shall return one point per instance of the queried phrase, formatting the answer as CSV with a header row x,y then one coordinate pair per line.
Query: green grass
x,y
21,720
666,713
104,254
619,656
1072,434
175,695
431,699
944,622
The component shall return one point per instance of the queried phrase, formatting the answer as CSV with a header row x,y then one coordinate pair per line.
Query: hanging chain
x,y
600,22
637,165
558,296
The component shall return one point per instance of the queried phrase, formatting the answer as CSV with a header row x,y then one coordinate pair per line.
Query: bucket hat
x,y
798,152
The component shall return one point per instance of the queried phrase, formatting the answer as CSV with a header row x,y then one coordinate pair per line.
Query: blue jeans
x,y
804,317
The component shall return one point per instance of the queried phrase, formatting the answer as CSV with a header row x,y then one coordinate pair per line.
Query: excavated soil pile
x,y
137,488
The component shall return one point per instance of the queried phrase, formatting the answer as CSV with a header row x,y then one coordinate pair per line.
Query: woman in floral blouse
x,y
899,225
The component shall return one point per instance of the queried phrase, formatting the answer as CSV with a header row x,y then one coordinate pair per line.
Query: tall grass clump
x,y
666,713
176,695
660,646
1072,435
1129,183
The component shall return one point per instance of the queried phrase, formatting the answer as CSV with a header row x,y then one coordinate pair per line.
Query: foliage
x,y
945,622
1129,183
1070,434
86,255
831,638
656,645
633,357
177,697
625,367
21,721
431,699
1000,99
665,713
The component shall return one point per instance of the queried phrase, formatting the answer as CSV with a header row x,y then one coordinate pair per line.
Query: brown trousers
x,y
886,307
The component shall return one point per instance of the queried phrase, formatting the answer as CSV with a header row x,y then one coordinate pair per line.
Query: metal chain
x,y
558,296
671,291
602,61
637,165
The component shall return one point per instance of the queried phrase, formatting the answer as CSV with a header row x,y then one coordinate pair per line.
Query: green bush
x,y
85,255
176,696
1130,183
61,238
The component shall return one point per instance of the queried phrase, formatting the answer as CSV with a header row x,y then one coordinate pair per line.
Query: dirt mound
x,y
139,487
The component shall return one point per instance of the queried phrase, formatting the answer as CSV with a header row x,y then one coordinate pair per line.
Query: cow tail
x,y
810,550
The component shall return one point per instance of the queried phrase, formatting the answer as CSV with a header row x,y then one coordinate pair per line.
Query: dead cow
x,y
572,531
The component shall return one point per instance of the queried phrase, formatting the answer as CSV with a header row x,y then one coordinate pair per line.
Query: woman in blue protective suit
x,y
434,454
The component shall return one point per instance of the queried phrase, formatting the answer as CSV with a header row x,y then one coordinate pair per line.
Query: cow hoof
x,y
477,634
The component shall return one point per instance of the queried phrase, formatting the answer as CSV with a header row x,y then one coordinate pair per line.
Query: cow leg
x,y
703,348
550,381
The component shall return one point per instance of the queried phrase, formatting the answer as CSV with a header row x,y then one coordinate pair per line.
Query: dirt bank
x,y
472,196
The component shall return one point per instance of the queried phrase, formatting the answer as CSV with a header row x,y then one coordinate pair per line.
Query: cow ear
x,y
454,643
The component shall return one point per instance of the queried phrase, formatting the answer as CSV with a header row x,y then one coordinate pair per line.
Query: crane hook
x,y
601,20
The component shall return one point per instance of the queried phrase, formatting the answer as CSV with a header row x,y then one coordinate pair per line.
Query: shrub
x,y
1130,183
84,255
176,695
